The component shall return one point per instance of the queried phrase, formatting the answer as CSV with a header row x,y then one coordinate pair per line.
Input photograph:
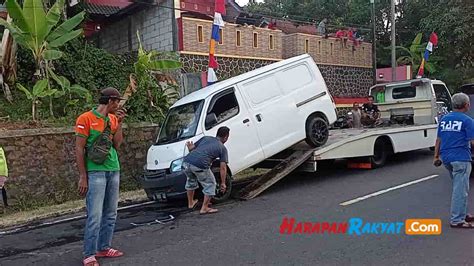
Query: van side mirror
x,y
211,120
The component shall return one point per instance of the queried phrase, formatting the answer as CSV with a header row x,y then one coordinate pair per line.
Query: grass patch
x,y
249,173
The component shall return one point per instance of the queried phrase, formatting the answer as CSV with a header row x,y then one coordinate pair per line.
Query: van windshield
x,y
181,123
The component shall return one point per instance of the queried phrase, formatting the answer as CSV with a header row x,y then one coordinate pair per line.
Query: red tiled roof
x,y
111,3
289,27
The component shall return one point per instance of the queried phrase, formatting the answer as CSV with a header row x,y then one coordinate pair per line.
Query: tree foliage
x,y
452,20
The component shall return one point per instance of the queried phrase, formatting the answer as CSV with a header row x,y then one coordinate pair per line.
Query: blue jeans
x,y
460,172
101,203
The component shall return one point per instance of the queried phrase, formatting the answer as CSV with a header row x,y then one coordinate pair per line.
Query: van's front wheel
x,y
317,131
221,197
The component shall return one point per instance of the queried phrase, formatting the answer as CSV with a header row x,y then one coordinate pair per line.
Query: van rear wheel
x,y
317,131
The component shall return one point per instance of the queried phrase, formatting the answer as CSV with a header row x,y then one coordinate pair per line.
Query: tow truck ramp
x,y
342,144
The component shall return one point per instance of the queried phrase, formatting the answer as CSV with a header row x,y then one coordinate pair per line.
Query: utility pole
x,y
394,62
374,44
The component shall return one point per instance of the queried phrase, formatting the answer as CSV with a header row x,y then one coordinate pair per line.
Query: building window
x,y
221,36
271,42
255,40
319,47
332,47
306,46
196,7
200,34
238,36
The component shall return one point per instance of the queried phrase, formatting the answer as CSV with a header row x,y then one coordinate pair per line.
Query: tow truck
x,y
410,111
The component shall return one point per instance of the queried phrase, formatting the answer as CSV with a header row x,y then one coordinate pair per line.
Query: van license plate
x,y
160,197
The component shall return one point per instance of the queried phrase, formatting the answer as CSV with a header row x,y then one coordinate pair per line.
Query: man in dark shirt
x,y
370,113
197,167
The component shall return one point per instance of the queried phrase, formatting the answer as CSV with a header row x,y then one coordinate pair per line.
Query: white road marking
x,y
387,190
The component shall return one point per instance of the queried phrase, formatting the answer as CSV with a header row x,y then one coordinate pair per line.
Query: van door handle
x,y
259,117
246,121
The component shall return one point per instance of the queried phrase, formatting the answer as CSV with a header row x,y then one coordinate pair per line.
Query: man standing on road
x,y
98,136
455,132
197,167
3,175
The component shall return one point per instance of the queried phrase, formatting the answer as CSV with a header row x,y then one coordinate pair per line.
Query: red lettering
x,y
333,228
342,228
307,228
325,227
316,227
299,228
287,226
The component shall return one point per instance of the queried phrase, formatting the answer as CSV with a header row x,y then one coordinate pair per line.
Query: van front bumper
x,y
159,185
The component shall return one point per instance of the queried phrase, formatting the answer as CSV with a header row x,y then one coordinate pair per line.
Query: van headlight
x,y
176,165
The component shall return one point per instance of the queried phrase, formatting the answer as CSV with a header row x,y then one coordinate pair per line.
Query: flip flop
x,y
194,206
210,211
90,261
464,225
469,218
109,253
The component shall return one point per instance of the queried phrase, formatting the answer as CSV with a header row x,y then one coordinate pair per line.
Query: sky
x,y
244,2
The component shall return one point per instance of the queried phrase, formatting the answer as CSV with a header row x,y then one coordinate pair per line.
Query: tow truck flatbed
x,y
374,144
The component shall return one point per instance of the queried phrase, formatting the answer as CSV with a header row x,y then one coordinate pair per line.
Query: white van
x,y
267,110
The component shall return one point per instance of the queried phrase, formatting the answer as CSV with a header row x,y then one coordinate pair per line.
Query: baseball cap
x,y
111,93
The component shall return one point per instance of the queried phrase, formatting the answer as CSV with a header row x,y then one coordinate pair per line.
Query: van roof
x,y
210,90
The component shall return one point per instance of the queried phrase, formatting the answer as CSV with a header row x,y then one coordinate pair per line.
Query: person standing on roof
x,y
322,27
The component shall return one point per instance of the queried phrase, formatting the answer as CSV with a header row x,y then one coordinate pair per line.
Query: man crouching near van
x,y
197,167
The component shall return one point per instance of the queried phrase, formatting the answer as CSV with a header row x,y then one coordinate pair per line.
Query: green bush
x,y
94,68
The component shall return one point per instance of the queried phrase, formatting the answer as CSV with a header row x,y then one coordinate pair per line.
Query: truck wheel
x,y
221,197
380,153
317,131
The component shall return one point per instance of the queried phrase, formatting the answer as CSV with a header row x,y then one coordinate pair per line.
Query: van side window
x,y
404,92
442,95
224,106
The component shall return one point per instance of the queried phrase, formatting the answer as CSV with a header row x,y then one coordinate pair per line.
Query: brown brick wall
x,y
320,50
286,46
229,46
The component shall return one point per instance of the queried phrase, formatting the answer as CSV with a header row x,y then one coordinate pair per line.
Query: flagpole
x,y
394,62
374,44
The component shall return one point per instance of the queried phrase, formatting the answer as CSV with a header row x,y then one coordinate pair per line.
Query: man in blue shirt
x,y
455,133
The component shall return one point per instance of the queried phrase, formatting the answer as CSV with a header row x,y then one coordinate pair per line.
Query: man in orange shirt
x,y
98,136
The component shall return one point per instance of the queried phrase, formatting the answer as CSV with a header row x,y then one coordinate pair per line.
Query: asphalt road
x,y
247,232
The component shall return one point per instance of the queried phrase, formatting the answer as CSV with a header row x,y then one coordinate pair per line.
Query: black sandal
x,y
469,218
465,225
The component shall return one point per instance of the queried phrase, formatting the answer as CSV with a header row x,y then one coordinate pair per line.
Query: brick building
x,y
247,42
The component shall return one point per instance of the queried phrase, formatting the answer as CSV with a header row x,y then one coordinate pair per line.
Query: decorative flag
x,y
429,49
218,23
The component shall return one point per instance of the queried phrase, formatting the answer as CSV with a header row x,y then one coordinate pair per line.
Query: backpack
x,y
98,152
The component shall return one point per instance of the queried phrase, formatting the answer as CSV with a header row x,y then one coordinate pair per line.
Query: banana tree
x,y
413,55
40,90
155,96
40,32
